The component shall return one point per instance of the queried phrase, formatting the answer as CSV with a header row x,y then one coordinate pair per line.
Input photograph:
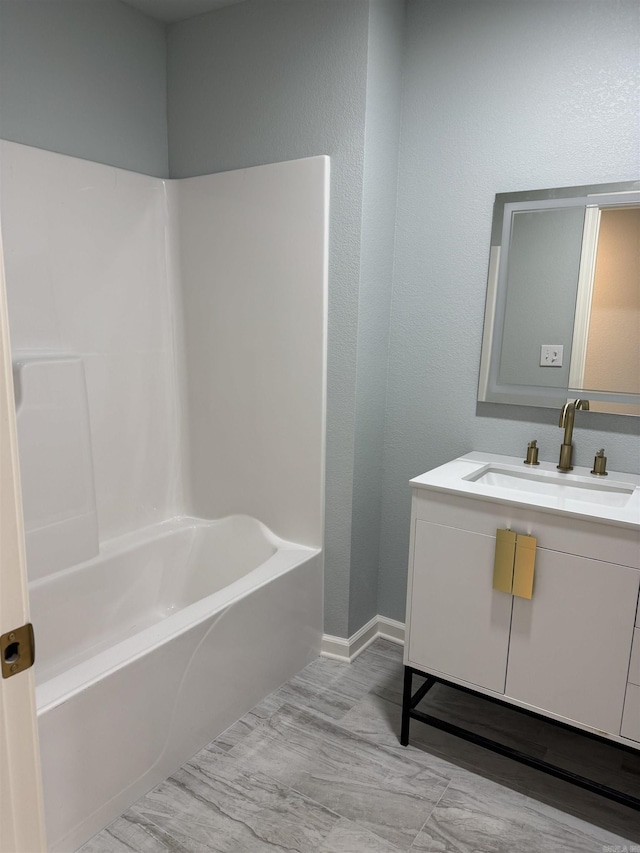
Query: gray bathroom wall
x,y
382,128
86,79
499,96
272,80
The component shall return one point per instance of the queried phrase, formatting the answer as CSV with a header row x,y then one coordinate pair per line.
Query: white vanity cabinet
x,y
566,651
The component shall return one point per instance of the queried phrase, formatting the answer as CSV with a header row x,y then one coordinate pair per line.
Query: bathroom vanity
x,y
523,587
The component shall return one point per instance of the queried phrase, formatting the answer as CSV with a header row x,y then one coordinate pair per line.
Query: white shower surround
x,y
198,310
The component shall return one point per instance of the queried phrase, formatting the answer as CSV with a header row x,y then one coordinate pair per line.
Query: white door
x,y
21,811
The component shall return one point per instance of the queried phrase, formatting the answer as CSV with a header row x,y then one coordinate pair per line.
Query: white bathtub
x,y
147,652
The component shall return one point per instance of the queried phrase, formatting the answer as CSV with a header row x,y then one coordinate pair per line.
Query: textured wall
x,y
86,79
272,80
499,96
382,128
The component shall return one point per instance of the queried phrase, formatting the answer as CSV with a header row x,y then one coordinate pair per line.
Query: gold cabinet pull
x,y
524,568
504,560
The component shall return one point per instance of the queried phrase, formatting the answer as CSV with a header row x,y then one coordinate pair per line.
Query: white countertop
x,y
614,499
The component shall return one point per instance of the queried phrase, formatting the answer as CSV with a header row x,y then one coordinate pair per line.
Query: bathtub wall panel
x,y
253,265
87,277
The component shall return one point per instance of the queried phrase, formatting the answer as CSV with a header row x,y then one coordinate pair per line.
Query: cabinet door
x,y
459,623
570,644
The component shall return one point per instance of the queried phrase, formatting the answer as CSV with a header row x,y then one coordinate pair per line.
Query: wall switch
x,y
551,355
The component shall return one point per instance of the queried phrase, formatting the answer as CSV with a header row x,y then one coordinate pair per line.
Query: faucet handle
x,y
532,453
600,464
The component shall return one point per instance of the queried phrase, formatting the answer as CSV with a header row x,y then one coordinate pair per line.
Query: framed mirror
x,y
562,316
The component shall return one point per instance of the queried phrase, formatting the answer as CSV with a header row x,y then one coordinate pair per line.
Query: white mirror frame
x,y
592,198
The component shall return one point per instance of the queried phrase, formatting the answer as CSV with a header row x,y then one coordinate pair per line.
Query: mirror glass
x,y
562,317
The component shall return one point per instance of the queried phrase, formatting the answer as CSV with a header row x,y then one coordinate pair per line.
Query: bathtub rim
x,y
155,532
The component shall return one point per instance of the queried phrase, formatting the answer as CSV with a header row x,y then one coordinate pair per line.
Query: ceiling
x,y
171,11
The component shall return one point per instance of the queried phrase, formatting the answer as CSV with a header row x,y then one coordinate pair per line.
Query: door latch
x,y
17,650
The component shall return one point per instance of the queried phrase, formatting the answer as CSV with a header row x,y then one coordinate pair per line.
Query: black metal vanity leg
x,y
406,706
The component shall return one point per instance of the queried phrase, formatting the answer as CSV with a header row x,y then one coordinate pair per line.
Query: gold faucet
x,y
567,416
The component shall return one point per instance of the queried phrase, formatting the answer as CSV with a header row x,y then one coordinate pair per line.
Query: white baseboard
x,y
339,648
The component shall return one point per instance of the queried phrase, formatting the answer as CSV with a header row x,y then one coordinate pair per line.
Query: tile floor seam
x,y
341,817
366,828
234,820
161,833
107,832
429,817
356,822
399,789
353,737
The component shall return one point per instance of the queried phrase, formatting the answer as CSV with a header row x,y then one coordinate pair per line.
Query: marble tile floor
x,y
317,766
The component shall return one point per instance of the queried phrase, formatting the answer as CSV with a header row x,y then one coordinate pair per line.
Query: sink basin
x,y
614,499
554,484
